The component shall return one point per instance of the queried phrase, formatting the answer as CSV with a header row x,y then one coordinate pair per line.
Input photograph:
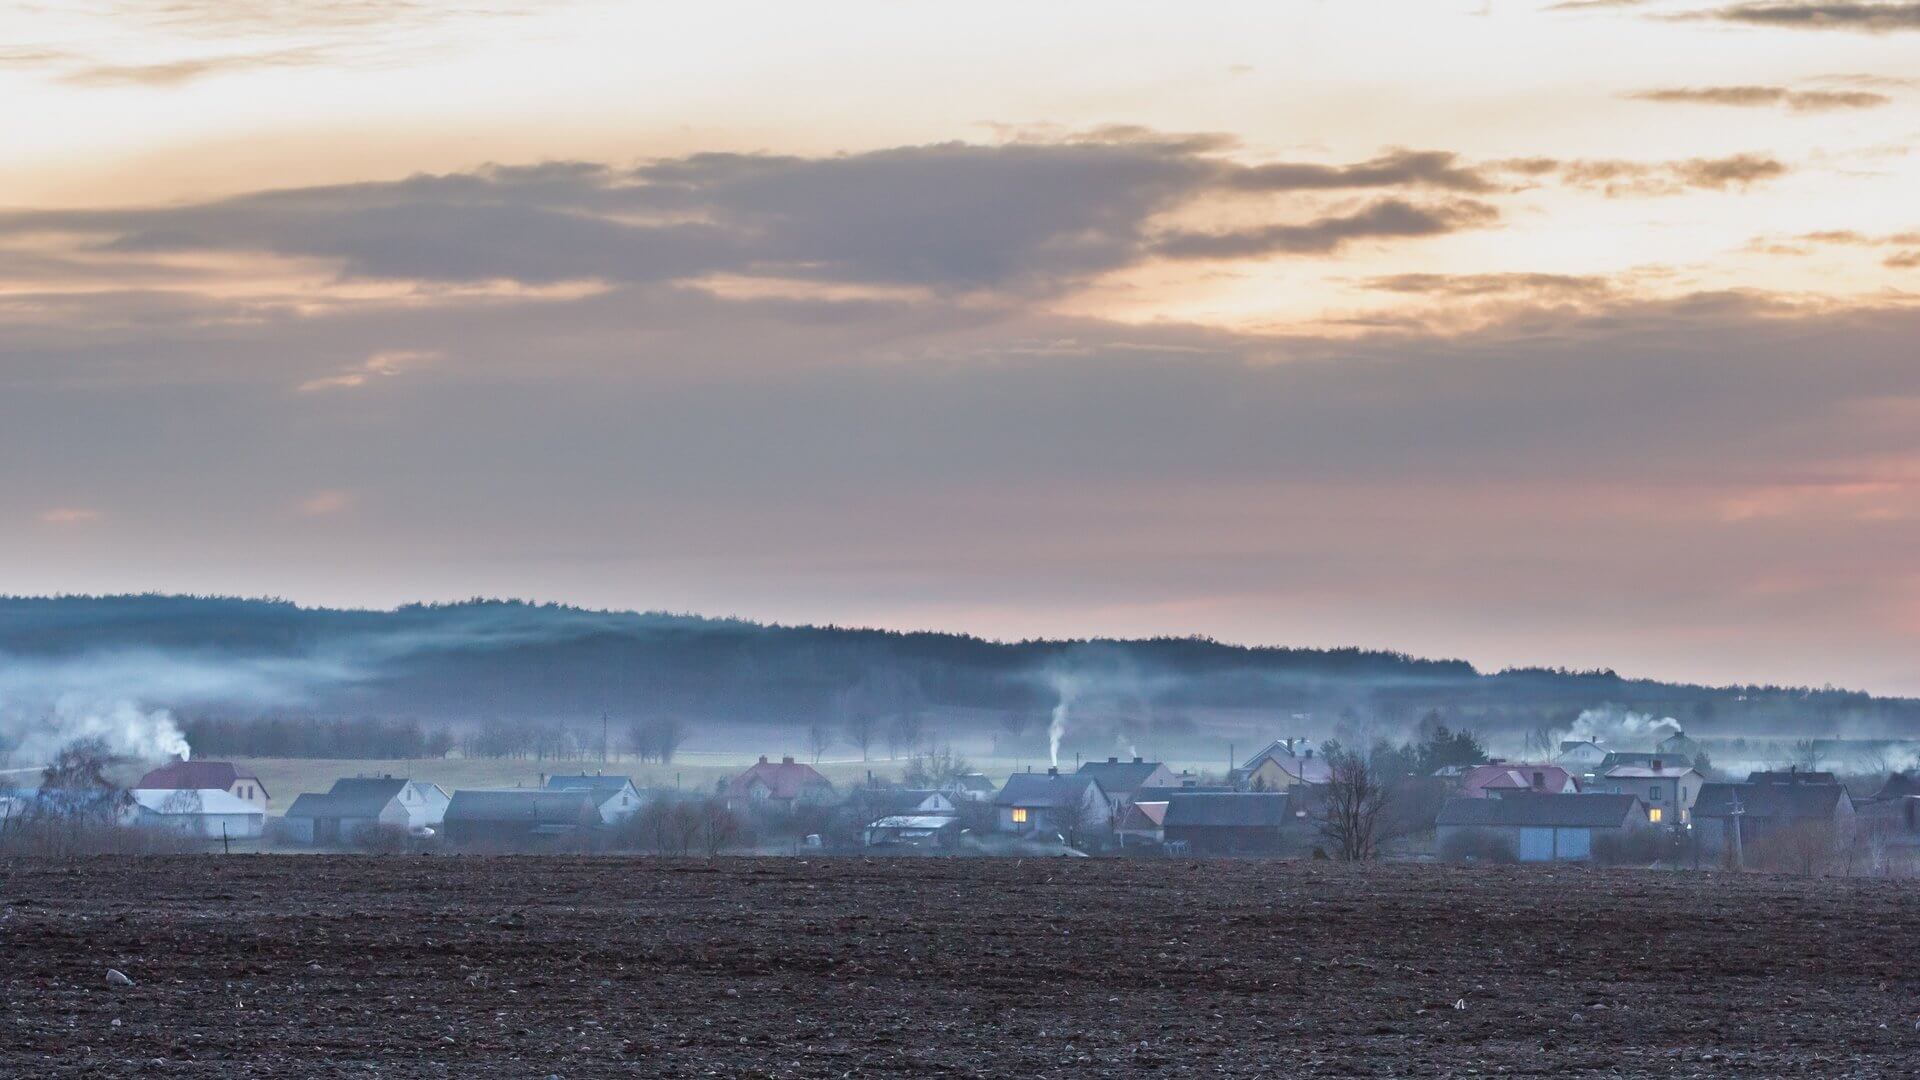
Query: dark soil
x,y
584,967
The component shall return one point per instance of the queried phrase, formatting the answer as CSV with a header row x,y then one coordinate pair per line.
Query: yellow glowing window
x,y
1653,815
1019,815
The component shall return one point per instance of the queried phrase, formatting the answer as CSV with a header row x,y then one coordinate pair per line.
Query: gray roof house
x,y
1539,828
355,804
616,796
1051,802
1124,780
519,817
1233,822
1771,810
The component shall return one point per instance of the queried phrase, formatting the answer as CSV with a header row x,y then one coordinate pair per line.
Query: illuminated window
x,y
1019,815
1653,815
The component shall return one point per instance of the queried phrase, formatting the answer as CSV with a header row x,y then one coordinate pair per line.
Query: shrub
x,y
1479,845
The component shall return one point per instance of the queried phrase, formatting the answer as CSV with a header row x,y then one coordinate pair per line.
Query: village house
x,y
356,805
1230,823
1142,824
1678,747
616,796
519,817
1668,788
1538,828
1498,778
203,775
209,813
1777,810
1617,758
1124,781
783,785
1051,803
1581,755
1279,766
971,786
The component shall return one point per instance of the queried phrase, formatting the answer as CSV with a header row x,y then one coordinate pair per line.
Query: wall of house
x,y
251,791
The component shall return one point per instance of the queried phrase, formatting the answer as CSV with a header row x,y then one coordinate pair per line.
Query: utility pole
x,y
1734,851
225,847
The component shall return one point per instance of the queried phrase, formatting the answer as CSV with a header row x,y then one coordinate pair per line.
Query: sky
x,y
1582,334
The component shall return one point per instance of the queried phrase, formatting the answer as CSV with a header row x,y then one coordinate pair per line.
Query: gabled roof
x,y
601,788
1575,744
1792,776
1120,777
785,779
1144,815
362,796
972,781
1042,790
1899,785
1785,802
198,775
1508,776
1232,809
1616,758
522,805
191,801
1648,772
1541,811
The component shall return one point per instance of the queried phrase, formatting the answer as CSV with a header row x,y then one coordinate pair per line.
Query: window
x,y
1654,794
1654,815
1019,815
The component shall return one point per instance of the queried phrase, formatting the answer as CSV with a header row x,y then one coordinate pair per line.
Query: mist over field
x,y
140,669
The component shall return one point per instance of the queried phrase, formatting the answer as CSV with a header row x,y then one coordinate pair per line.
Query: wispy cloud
x,y
69,516
1865,17
378,366
1389,218
1618,178
1766,96
176,72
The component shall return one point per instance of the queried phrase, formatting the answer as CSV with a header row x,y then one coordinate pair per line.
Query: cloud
x,y
378,366
177,72
1903,260
1765,96
1466,285
1617,178
1401,168
67,516
1023,217
1860,16
1388,218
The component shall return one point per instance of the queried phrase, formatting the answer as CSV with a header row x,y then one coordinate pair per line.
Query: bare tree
x,y
904,732
1543,742
1071,818
1355,798
720,828
657,738
934,768
1806,755
819,738
859,725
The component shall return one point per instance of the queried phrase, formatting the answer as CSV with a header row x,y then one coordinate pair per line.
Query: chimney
x,y
1116,761
763,759
1138,760
1052,771
788,760
1309,753
1656,764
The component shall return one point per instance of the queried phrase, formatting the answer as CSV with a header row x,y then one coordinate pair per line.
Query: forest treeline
x,y
498,665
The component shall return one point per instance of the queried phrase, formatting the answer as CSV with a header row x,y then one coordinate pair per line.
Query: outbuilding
x,y
1538,828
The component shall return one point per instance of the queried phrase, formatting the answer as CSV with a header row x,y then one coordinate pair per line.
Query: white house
x,y
212,813
1668,788
1580,755
615,796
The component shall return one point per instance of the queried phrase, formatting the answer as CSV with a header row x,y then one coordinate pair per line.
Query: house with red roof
x,y
224,776
1497,778
784,785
